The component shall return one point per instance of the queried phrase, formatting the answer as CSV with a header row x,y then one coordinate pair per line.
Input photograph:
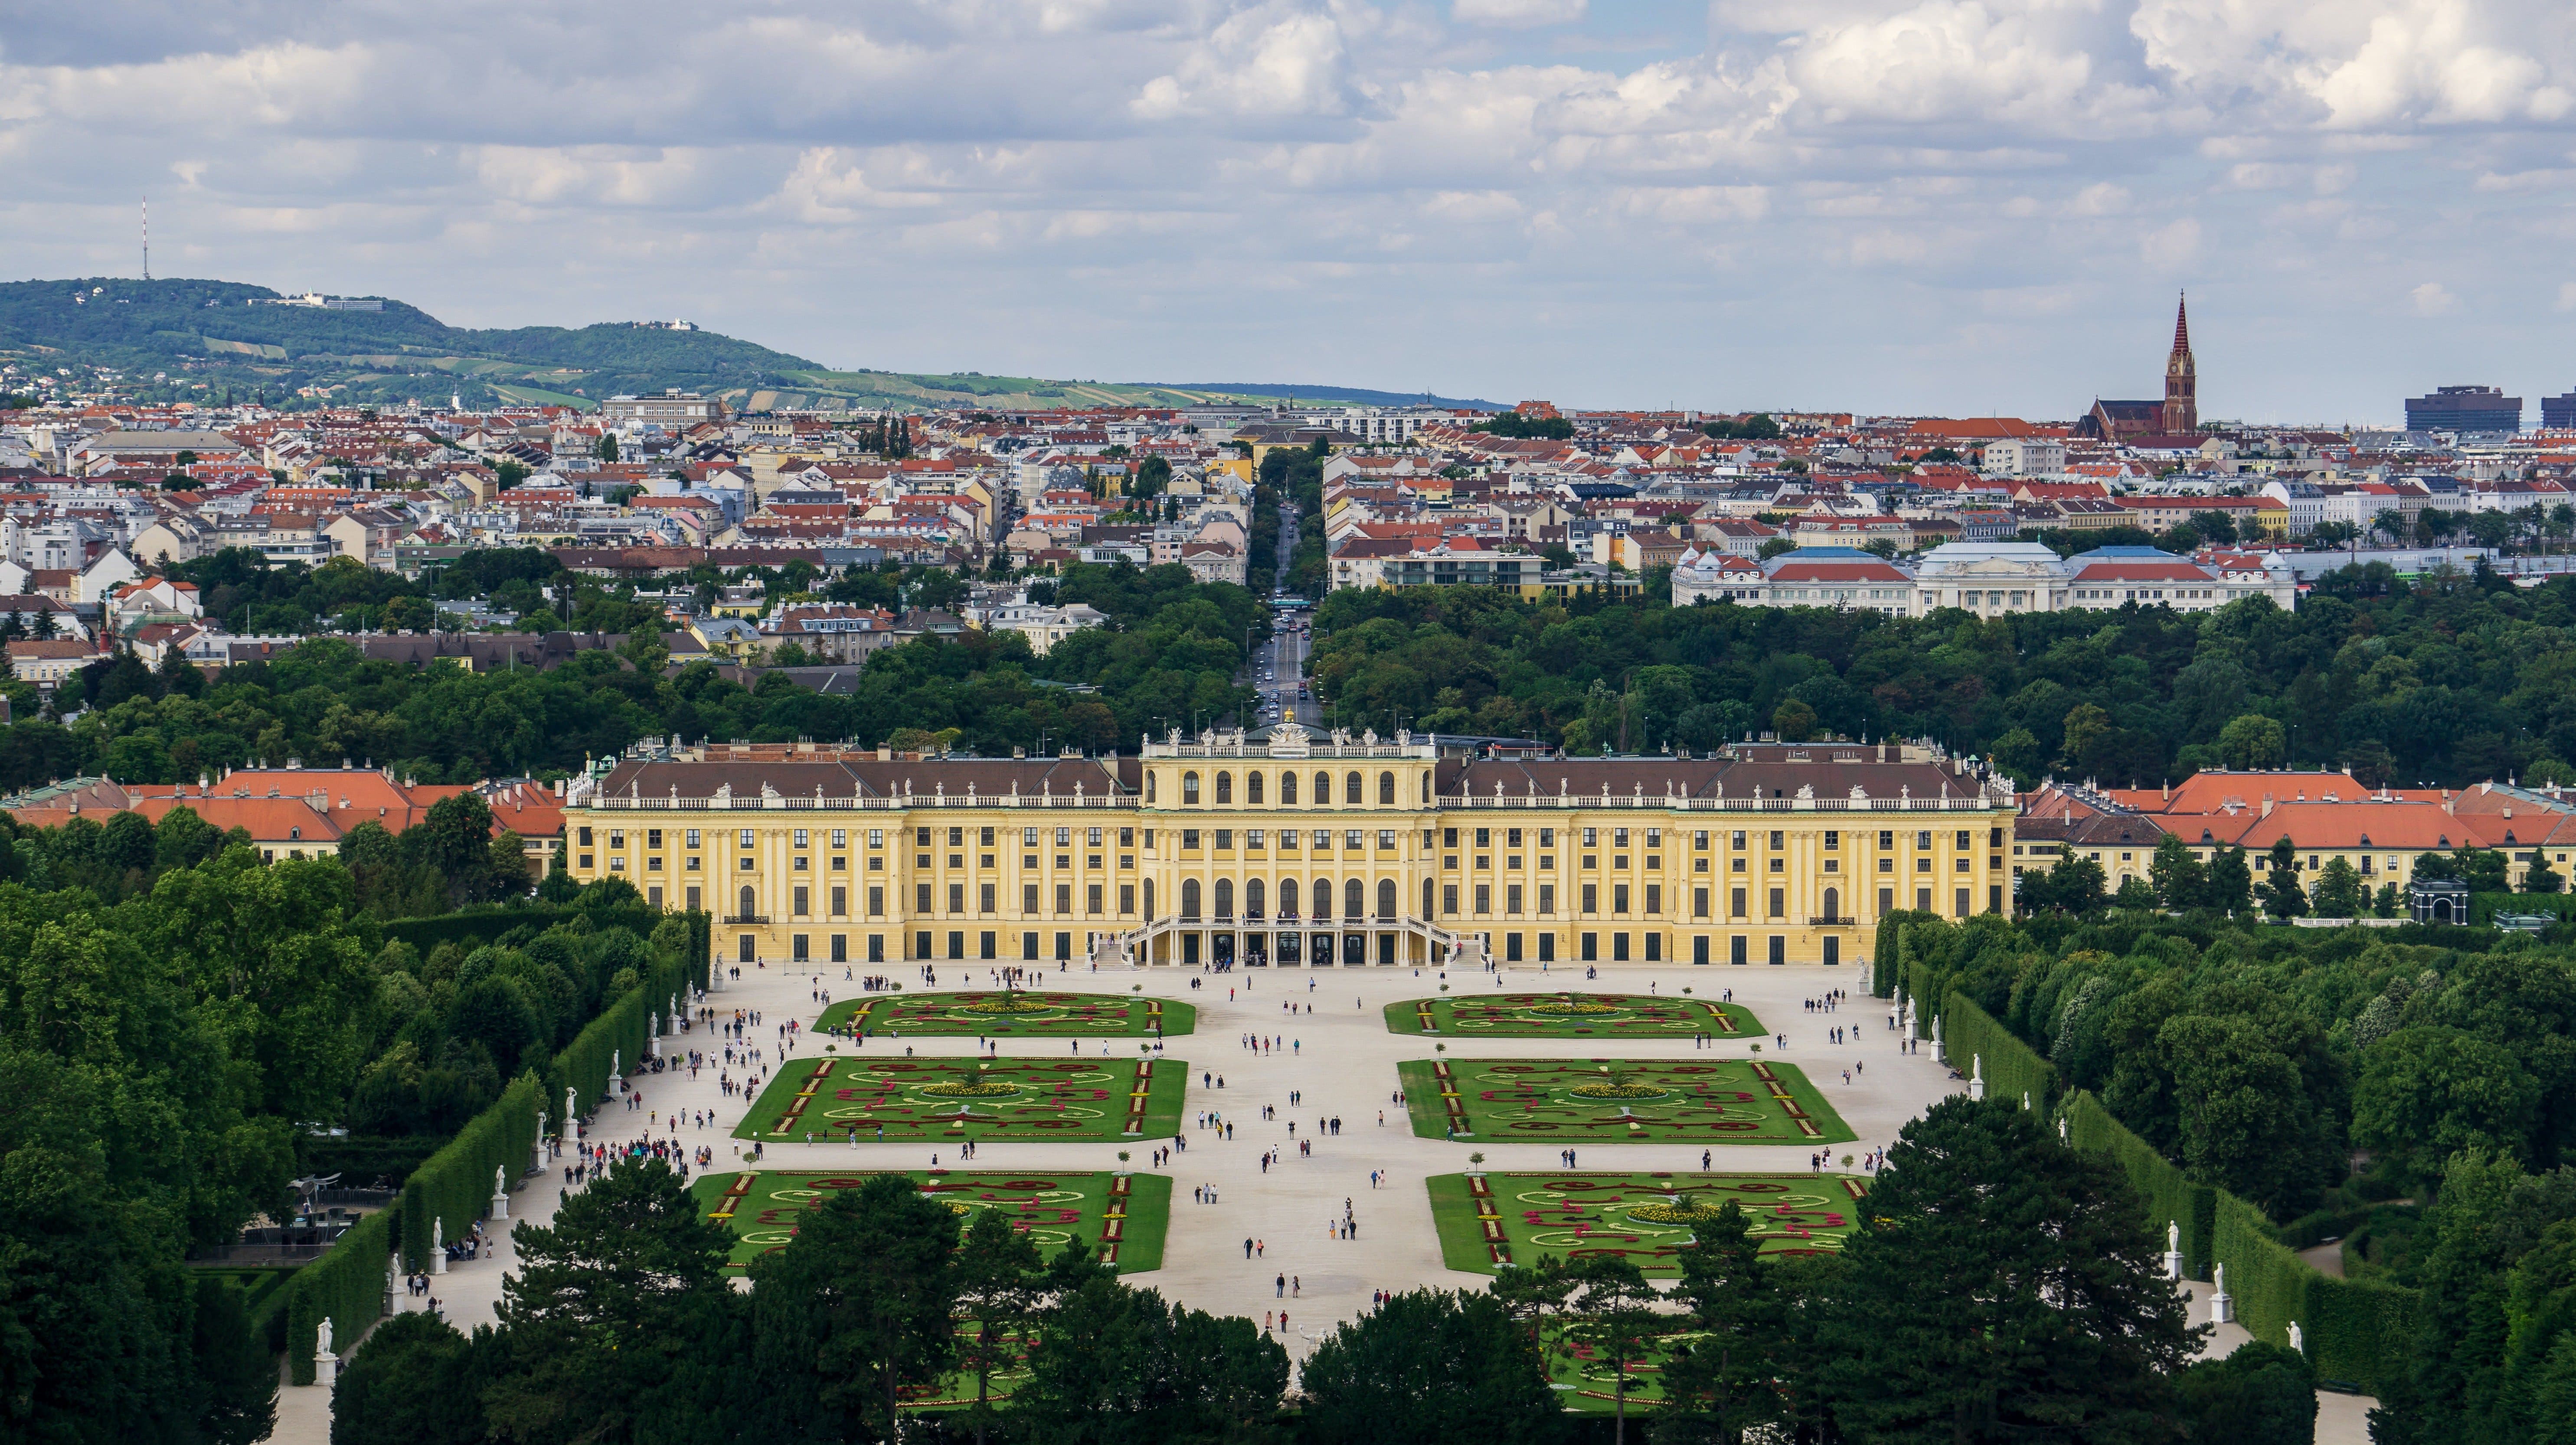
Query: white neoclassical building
x,y
1992,578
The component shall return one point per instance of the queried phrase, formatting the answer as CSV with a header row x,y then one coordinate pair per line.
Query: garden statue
x,y
438,1246
326,1364
2221,1308
2298,1342
2173,1251
500,1193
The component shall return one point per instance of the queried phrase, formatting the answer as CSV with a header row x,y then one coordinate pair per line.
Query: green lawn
x,y
1572,1015
1021,1013
1054,1209
1619,1101
953,1101
1497,1219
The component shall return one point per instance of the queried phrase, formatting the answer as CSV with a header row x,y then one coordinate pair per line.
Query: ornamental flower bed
x,y
1122,1216
829,1100
1490,1220
1573,1015
1016,1013
1606,1101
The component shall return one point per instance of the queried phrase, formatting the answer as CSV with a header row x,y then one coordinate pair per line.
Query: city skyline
x,y
1967,209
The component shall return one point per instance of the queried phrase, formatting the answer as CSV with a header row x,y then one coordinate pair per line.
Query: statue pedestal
x,y
2221,1308
500,1205
437,1260
326,1368
2173,1264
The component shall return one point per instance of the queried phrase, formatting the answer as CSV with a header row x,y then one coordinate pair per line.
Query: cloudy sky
x,y
1889,205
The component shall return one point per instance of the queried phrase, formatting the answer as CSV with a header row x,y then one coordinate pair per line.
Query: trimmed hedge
x,y
2483,907
622,1031
1888,956
472,929
455,1186
2356,1333
2167,1195
2011,1067
347,1284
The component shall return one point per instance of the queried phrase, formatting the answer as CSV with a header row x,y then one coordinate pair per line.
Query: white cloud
x,y
1075,186
2567,295
2171,247
2433,299
1517,14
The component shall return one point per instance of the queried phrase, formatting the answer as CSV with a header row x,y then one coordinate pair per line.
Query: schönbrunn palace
x,y
1293,849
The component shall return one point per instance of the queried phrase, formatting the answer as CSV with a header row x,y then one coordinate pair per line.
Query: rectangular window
x,y
1091,898
1735,950
1512,899
1591,947
1512,837
1591,897
1547,948
1654,948
840,902
876,901
584,837
1591,837
1028,898
985,942
921,898
984,838
800,837
1189,839
1618,948
653,896
1618,837
984,897
840,837
1547,900
1063,899
1963,840
1699,903
801,894
1735,903
1963,903
1448,837
1028,837
1484,898
1064,945
1618,897
1449,898
1779,903
876,948
1029,944
1654,899
1735,839
1126,898
694,905
956,898
840,948
1779,950
1778,840
1511,948
692,836
876,839
1547,837
796,947
746,837
1922,900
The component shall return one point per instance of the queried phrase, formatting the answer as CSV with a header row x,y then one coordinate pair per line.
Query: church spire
x,y
2182,379
2182,325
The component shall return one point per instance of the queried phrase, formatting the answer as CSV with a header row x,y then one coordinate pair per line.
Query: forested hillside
x,y
2449,681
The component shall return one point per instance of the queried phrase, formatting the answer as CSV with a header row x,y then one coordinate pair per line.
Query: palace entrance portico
x,y
1281,943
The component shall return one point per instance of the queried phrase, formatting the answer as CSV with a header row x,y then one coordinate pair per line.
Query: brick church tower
x,y
2182,383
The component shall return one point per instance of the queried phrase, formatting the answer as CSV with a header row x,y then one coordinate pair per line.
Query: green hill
x,y
223,334
165,338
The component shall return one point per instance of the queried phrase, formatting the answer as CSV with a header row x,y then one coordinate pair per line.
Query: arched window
x,y
1225,898
1252,894
1426,790
1190,898
1386,788
1354,900
1352,793
1323,900
1386,898
1224,788
1252,789
1833,903
1149,900
747,909
1323,789
1189,790
1426,898
1149,787
1287,790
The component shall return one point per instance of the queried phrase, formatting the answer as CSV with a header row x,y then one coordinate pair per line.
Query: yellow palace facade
x,y
1295,849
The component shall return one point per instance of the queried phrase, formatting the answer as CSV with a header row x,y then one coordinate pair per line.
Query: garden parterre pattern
x,y
1123,1217
1490,1220
1613,1101
1021,1013
1572,1015
957,1100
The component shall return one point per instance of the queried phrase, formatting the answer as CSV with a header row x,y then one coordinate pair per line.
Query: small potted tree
x,y
1476,1165
1123,1170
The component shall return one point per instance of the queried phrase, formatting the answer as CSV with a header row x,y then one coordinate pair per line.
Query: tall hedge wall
x,y
347,1284
1887,955
455,1186
2011,1067
2168,1196
472,929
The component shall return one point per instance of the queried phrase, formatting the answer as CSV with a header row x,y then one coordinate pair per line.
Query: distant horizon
x,y
1892,207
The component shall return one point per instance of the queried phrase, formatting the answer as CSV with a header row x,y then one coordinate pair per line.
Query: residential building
x,y
2464,409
